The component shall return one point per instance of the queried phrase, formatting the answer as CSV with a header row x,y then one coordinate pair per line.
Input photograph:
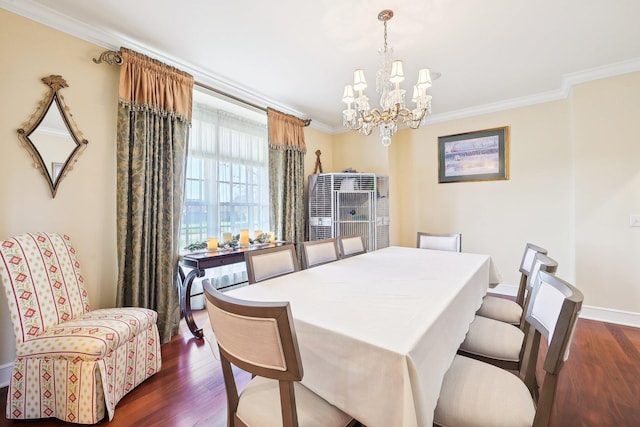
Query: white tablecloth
x,y
378,331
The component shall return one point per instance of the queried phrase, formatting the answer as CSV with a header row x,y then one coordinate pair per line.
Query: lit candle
x,y
212,243
244,237
226,237
258,234
272,237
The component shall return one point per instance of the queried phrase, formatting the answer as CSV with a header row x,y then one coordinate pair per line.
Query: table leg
x,y
184,291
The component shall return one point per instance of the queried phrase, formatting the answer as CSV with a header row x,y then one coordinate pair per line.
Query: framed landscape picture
x,y
474,156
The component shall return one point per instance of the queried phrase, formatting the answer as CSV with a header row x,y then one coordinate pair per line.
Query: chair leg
x,y
545,404
288,404
232,391
529,363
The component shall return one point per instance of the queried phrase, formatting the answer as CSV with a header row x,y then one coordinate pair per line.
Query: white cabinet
x,y
350,203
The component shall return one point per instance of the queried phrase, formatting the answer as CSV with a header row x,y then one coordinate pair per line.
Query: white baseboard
x,y
5,374
620,317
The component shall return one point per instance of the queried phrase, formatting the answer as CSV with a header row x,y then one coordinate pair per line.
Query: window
x,y
227,175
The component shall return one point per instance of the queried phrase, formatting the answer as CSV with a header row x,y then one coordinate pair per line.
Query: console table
x,y
199,262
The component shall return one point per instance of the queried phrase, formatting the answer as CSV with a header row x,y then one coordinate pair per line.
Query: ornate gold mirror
x,y
52,136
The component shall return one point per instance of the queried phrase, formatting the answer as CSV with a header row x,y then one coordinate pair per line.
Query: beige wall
x,y
317,140
84,207
606,153
364,154
494,217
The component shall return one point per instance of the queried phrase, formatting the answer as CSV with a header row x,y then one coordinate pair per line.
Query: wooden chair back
x,y
257,337
552,313
541,262
319,252
526,263
441,242
351,245
264,264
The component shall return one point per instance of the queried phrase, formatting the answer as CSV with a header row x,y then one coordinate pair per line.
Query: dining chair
x,y
72,363
475,393
351,245
507,310
264,264
260,338
500,343
442,242
317,252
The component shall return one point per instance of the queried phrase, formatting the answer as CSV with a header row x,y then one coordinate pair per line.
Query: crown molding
x,y
568,81
110,40
493,107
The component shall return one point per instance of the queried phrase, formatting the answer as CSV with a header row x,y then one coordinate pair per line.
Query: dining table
x,y
378,331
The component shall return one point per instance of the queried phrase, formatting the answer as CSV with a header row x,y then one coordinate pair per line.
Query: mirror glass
x,y
51,136
53,141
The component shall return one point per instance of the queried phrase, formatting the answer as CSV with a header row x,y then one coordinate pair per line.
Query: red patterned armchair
x,y
71,363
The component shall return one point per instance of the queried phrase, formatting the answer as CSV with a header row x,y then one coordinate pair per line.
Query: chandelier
x,y
360,117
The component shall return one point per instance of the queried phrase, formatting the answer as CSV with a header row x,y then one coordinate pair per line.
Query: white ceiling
x,y
297,55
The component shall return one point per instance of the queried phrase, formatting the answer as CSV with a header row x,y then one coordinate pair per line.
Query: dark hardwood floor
x,y
599,385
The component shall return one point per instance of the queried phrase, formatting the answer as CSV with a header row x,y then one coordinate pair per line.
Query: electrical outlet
x,y
634,220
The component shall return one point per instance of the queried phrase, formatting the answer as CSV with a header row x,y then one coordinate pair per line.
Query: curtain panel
x,y
286,175
229,154
229,148
154,115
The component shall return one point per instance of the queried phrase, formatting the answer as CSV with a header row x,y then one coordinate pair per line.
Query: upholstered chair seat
x,y
488,338
502,309
509,311
474,394
94,334
259,405
72,363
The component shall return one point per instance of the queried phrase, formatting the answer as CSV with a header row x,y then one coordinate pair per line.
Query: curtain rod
x,y
113,57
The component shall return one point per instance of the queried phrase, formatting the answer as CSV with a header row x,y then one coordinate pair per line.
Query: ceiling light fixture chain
x,y
384,16
359,117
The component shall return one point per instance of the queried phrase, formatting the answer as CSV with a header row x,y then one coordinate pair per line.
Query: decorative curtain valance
x,y
149,84
286,176
154,116
285,131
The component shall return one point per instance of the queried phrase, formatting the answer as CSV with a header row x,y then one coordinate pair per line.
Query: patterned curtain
x,y
286,175
154,115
